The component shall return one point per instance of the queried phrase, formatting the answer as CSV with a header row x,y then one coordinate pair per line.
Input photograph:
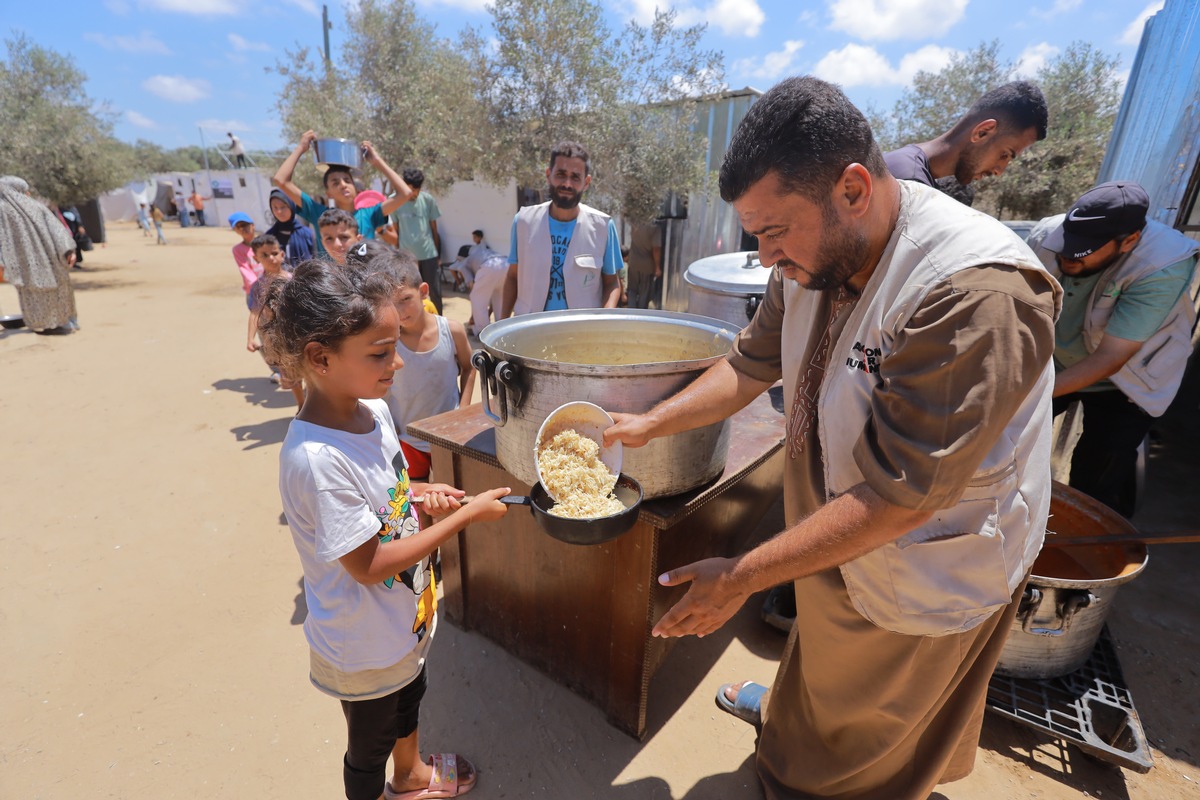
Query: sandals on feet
x,y
445,781
748,706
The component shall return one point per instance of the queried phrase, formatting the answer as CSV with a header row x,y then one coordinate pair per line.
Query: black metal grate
x,y
1091,708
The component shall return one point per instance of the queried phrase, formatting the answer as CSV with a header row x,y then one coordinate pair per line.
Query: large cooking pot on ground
x,y
728,286
623,360
336,152
1071,589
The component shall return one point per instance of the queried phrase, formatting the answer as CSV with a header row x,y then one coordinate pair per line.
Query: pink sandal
x,y
443,783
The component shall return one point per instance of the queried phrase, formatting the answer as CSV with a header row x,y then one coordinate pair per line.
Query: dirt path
x,y
150,601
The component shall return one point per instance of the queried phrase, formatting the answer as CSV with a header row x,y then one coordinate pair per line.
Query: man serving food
x,y
914,337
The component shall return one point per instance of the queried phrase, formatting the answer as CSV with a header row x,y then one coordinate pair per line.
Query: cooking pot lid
x,y
729,273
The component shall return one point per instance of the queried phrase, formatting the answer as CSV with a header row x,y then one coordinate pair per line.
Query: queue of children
x,y
351,507
346,323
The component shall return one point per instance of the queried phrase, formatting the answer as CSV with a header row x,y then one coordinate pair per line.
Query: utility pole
x,y
326,25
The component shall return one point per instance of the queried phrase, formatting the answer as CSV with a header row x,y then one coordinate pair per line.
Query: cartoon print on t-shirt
x,y
398,519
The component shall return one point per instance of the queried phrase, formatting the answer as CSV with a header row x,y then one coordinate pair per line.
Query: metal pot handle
x,y
752,305
484,365
1071,602
497,378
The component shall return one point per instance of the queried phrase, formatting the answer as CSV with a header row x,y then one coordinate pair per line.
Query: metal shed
x,y
1156,139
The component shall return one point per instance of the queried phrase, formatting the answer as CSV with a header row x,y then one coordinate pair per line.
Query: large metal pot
x,y
1071,589
336,152
620,359
728,286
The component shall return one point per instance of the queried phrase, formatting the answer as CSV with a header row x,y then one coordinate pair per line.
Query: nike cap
x,y
1101,214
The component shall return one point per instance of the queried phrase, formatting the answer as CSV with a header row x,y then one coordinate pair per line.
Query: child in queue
x,y
269,255
243,253
350,507
341,189
368,249
294,236
339,232
437,375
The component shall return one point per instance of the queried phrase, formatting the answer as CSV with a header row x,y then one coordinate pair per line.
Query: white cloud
x,y
1033,58
119,7
1133,34
177,88
861,65
885,20
144,43
242,45
140,120
773,64
732,17
199,7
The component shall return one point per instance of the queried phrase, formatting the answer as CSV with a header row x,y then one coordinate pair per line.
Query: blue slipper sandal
x,y
747,707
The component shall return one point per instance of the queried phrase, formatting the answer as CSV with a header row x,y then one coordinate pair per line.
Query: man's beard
x,y
842,256
565,203
1087,273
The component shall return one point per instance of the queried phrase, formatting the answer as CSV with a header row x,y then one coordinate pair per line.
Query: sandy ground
x,y
150,597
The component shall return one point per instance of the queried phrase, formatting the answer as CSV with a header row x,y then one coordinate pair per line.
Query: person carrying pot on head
x,y
37,253
914,337
564,253
1125,333
342,191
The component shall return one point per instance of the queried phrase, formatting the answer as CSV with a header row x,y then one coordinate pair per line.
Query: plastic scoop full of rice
x,y
572,472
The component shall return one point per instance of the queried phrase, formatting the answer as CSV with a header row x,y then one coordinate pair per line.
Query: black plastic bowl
x,y
12,321
595,530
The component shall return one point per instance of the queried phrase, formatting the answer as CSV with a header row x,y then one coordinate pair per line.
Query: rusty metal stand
x,y
1090,708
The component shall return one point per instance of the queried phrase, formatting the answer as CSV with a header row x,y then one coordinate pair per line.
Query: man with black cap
x,y
1125,332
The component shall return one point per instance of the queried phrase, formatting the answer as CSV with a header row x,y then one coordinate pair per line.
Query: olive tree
x,y
55,137
395,83
1082,91
550,70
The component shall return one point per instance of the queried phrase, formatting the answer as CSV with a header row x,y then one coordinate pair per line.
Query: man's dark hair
x,y
1017,106
414,177
336,216
569,149
807,132
335,169
477,233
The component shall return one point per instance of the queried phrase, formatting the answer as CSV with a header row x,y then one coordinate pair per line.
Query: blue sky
x,y
171,68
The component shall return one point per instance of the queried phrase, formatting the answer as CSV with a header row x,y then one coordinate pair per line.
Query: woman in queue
x,y
37,253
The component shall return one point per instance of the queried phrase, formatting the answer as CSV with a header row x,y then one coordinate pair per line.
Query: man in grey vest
x,y
914,338
564,254
1125,333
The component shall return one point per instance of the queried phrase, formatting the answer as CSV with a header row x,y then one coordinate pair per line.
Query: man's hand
x,y
709,603
631,430
306,140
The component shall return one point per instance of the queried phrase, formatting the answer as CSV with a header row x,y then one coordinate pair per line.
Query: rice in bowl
x,y
572,473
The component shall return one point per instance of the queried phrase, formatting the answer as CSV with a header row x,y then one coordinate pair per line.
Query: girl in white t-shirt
x,y
367,578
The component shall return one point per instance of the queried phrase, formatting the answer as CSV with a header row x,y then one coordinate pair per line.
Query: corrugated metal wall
x,y
1156,139
711,226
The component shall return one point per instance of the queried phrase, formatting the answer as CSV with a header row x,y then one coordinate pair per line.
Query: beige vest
x,y
960,567
581,266
1152,377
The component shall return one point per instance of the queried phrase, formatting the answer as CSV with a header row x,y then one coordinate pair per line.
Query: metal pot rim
x,y
710,325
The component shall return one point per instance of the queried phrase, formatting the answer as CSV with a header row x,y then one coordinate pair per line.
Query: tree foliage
x,y
55,137
148,158
1082,91
397,84
552,70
